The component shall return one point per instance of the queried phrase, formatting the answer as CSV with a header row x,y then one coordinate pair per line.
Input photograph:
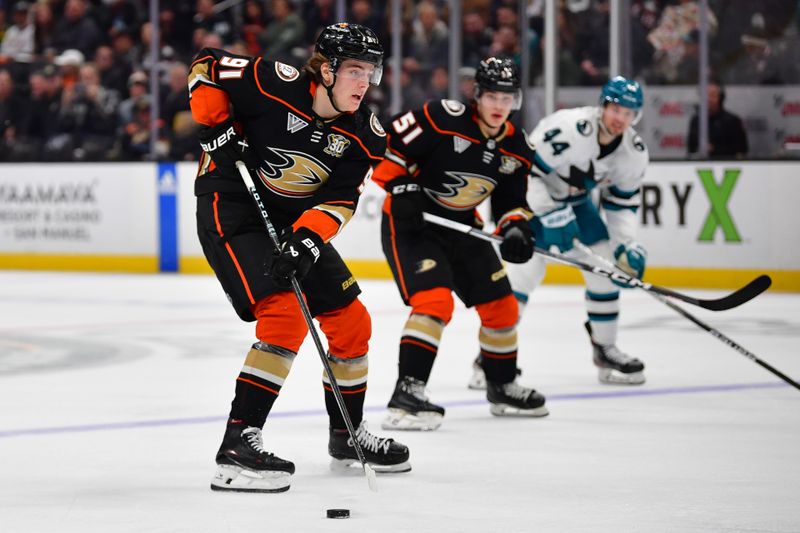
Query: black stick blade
x,y
743,295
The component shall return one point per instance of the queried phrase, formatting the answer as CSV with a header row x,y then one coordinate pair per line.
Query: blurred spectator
x,y
11,113
466,83
363,12
255,20
38,123
85,123
70,62
439,85
592,43
429,40
672,36
476,39
176,114
44,25
283,34
687,69
757,64
506,44
137,87
19,41
176,27
113,74
210,21
726,135
136,134
76,30
319,14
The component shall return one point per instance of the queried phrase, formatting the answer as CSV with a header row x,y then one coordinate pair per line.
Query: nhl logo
x,y
337,144
508,165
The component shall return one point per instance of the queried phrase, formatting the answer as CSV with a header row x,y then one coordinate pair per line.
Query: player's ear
x,y
325,71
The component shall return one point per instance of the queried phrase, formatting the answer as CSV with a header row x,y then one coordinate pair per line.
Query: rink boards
x,y
714,225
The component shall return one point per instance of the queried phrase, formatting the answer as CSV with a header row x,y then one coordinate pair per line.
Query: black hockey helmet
x,y
351,41
501,75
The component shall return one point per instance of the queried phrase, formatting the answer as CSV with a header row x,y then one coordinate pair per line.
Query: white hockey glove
x,y
557,228
631,258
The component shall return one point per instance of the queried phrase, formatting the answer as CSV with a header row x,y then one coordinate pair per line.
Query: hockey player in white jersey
x,y
585,182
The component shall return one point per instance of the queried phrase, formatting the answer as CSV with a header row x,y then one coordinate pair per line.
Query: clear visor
x,y
360,71
511,101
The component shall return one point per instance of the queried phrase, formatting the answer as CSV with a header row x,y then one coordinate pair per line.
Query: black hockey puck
x,y
338,513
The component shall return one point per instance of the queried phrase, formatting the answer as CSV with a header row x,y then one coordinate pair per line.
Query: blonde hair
x,y
314,66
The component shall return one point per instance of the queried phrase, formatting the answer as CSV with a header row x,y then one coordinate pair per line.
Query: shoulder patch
x,y
286,72
453,107
638,143
375,124
584,127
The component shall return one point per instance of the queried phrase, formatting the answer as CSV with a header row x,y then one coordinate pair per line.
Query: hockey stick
x,y
727,340
251,187
734,299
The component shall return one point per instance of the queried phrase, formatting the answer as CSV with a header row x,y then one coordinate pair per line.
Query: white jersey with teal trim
x,y
568,164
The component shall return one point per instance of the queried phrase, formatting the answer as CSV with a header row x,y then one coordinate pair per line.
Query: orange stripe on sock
x,y
259,385
329,389
498,356
417,343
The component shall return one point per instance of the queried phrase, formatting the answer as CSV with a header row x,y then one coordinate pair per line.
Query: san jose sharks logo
x,y
465,191
293,174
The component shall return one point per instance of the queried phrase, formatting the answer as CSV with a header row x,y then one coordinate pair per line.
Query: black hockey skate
x,y
409,408
512,399
613,365
244,466
383,455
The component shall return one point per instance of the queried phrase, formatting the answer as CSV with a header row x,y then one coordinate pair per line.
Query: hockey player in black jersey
x,y
311,144
446,158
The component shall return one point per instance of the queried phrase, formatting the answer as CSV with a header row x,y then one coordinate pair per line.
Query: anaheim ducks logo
x,y
293,173
465,192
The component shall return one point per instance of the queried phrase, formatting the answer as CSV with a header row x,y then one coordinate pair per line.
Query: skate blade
x,y
477,381
502,409
238,479
346,466
405,421
610,376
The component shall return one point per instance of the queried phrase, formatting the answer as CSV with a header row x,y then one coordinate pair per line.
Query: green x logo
x,y
718,195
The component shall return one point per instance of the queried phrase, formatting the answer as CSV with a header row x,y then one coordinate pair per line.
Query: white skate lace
x,y
253,436
372,442
416,388
516,391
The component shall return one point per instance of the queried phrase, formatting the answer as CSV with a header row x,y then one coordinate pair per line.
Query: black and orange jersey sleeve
x,y
337,200
508,201
219,80
411,136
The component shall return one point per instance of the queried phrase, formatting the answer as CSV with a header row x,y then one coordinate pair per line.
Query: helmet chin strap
x,y
600,122
329,90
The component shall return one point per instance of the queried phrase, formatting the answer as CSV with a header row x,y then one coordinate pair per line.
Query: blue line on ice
x,y
617,393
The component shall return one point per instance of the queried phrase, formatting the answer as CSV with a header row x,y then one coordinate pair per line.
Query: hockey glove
x,y
557,228
631,258
225,147
407,204
299,252
518,242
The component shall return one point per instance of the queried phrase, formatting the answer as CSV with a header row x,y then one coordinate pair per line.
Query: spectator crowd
x,y
74,74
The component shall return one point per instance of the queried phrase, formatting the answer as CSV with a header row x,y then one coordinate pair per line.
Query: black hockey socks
x,y
260,382
419,344
351,376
